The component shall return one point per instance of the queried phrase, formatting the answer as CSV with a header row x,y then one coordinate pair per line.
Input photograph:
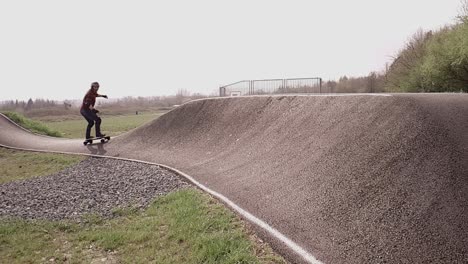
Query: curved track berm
x,y
352,179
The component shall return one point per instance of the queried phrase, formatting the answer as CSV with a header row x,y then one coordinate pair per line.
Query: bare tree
x,y
406,60
30,104
463,13
181,95
371,82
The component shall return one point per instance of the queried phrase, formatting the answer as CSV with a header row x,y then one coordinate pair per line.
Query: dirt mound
x,y
352,179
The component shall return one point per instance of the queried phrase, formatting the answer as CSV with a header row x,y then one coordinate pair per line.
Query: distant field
x,y
111,125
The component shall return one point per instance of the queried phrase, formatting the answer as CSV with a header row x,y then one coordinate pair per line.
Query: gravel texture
x,y
93,186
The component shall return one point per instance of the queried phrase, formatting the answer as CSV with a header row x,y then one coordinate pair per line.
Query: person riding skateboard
x,y
89,112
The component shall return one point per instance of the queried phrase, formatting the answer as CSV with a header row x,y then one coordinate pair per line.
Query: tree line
x,y
32,104
431,61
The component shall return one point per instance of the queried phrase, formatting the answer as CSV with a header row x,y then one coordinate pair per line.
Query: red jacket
x,y
89,99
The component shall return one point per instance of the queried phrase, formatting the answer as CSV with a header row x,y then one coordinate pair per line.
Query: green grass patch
x,y
34,242
34,126
111,125
18,165
186,226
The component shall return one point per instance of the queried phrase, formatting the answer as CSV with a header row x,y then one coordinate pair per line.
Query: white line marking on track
x,y
272,231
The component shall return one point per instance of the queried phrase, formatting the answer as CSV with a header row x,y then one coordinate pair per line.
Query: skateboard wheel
x,y
103,140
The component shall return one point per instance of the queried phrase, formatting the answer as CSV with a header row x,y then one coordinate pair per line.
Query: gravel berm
x,y
352,179
93,186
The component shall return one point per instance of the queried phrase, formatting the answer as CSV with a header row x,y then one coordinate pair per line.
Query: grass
x,y
111,125
74,126
186,226
19,165
183,227
34,126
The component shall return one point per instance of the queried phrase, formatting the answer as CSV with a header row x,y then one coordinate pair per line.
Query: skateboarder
x,y
89,112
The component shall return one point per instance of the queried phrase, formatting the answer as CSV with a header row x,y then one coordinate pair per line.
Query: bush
x,y
432,62
445,68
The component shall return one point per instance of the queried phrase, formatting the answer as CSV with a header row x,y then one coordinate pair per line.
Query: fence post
x,y
252,88
222,91
320,85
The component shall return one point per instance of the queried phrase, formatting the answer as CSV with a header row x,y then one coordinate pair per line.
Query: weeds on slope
x,y
32,125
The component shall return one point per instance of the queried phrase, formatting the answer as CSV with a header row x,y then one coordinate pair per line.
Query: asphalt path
x,y
333,179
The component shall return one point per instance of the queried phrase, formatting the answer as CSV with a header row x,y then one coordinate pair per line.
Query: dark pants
x,y
92,118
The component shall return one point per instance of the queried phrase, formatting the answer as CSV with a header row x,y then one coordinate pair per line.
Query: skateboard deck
x,y
102,139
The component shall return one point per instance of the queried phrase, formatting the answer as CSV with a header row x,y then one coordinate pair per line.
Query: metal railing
x,y
272,86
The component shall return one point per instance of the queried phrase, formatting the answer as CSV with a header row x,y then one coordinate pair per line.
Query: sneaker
x,y
101,136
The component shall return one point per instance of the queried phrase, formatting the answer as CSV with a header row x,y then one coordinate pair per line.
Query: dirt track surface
x,y
352,179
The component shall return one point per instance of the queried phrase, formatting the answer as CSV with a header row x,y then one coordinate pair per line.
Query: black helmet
x,y
95,84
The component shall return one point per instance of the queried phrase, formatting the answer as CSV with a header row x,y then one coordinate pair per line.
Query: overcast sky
x,y
55,49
